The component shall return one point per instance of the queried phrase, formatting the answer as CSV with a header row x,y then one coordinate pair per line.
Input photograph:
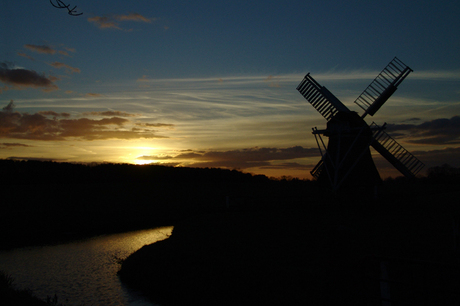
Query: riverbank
x,y
79,273
319,255
10,296
49,203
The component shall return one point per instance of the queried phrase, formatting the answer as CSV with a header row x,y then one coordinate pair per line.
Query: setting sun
x,y
143,162
132,86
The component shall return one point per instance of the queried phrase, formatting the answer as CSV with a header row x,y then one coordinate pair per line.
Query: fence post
x,y
384,284
455,228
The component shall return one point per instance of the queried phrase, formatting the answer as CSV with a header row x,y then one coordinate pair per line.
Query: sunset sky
x,y
213,83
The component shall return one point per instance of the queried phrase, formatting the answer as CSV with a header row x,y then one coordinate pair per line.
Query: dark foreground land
x,y
303,256
278,242
323,251
49,202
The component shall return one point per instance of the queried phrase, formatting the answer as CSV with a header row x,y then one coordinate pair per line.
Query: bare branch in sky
x,y
60,4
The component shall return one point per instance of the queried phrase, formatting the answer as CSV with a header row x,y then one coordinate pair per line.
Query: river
x,y
80,273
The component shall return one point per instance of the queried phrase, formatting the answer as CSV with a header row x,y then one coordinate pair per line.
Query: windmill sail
x,y
383,86
316,172
322,99
399,157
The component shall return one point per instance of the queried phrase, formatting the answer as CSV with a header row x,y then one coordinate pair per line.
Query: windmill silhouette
x,y
346,161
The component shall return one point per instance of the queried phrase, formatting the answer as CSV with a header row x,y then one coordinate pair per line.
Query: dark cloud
x,y
434,158
254,154
413,119
25,78
154,157
37,158
165,164
7,145
435,132
9,107
38,127
40,49
293,166
248,158
54,114
230,164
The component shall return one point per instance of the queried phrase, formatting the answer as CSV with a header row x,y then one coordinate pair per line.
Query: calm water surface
x,y
80,273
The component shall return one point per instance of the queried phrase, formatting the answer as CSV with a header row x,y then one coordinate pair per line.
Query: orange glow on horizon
x,y
144,162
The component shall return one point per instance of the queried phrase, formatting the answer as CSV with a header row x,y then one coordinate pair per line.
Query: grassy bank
x,y
327,253
46,202
12,296
241,239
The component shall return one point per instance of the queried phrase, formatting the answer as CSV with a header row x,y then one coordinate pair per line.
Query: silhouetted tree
x,y
60,4
443,172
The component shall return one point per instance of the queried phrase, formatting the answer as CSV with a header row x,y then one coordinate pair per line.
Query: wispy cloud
x,y
26,56
67,67
93,95
40,49
104,22
158,125
110,114
436,75
46,49
133,17
113,22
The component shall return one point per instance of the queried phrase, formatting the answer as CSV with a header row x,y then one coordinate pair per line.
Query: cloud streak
x,y
8,145
133,17
40,49
110,114
113,22
70,69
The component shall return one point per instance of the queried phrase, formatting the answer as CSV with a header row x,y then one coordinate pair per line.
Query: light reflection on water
x,y
80,273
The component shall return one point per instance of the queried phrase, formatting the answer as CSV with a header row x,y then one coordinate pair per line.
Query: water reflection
x,y
80,273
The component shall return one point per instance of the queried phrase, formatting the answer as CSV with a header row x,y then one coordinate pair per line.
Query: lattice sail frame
x,y
322,99
372,98
382,87
392,151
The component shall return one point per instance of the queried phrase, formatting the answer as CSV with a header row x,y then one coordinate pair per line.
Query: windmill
x,y
346,161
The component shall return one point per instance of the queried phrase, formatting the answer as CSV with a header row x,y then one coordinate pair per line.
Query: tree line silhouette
x,y
45,201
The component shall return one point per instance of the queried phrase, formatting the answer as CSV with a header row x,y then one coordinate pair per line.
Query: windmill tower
x,y
346,161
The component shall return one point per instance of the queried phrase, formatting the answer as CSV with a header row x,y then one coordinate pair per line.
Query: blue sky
x,y
213,83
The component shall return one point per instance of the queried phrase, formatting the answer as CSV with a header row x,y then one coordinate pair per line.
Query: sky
x,y
213,83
